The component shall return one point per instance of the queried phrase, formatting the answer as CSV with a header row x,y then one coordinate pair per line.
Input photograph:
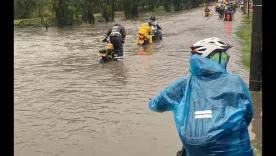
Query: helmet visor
x,y
220,57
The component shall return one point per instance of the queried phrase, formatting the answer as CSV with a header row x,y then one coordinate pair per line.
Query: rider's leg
x,y
119,46
160,35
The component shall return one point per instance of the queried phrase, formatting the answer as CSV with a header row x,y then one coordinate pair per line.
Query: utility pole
x,y
248,9
244,7
255,80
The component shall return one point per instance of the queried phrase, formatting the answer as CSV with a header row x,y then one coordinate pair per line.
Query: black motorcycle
x,y
155,33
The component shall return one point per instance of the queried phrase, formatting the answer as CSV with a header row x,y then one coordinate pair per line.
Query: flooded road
x,y
67,104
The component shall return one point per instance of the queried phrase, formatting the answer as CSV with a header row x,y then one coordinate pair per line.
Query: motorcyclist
x,y
241,5
221,10
218,5
228,9
232,7
212,109
153,19
145,29
207,9
117,36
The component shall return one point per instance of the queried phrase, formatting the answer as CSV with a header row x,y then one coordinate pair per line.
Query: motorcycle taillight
x,y
141,37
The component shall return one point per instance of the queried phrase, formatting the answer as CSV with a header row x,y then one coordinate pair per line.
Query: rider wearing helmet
x,y
153,19
145,30
228,9
212,109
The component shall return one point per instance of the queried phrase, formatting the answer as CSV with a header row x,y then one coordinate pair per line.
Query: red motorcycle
x,y
142,40
228,16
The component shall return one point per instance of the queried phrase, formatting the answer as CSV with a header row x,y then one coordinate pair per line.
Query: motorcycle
x,y
220,15
107,54
228,16
207,13
155,33
142,40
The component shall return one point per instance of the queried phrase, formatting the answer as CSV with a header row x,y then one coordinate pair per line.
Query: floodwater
x,y
67,104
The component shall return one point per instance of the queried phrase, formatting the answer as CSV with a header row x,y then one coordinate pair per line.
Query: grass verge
x,y
258,153
245,34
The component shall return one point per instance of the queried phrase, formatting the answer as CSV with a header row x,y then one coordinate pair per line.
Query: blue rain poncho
x,y
212,110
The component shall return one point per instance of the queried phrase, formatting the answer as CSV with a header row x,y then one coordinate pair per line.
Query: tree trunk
x,y
177,5
61,13
168,6
113,9
134,10
103,5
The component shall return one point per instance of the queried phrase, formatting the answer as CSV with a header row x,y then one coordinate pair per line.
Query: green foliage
x,y
24,8
245,34
70,12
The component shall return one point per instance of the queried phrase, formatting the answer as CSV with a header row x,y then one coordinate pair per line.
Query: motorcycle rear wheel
x,y
103,60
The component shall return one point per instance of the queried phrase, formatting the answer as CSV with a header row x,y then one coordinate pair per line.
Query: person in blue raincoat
x,y
212,108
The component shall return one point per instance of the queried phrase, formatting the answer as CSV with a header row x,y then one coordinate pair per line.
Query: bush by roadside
x,y
245,34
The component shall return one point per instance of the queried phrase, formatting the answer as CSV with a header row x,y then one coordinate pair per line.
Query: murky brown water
x,y
67,104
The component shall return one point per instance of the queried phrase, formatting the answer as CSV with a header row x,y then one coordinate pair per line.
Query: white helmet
x,y
208,50
212,41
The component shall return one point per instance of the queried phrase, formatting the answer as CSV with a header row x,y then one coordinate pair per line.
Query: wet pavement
x,y
256,126
67,104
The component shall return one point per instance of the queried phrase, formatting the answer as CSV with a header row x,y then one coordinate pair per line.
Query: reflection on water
x,y
228,28
146,49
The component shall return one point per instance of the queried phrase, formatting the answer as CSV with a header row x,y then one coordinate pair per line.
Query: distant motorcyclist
x,y
218,5
153,19
221,10
232,7
145,30
228,9
207,9
241,5
117,36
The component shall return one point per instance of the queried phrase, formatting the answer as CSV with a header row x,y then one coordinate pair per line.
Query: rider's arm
x,y
123,32
247,102
158,26
169,97
149,29
108,33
